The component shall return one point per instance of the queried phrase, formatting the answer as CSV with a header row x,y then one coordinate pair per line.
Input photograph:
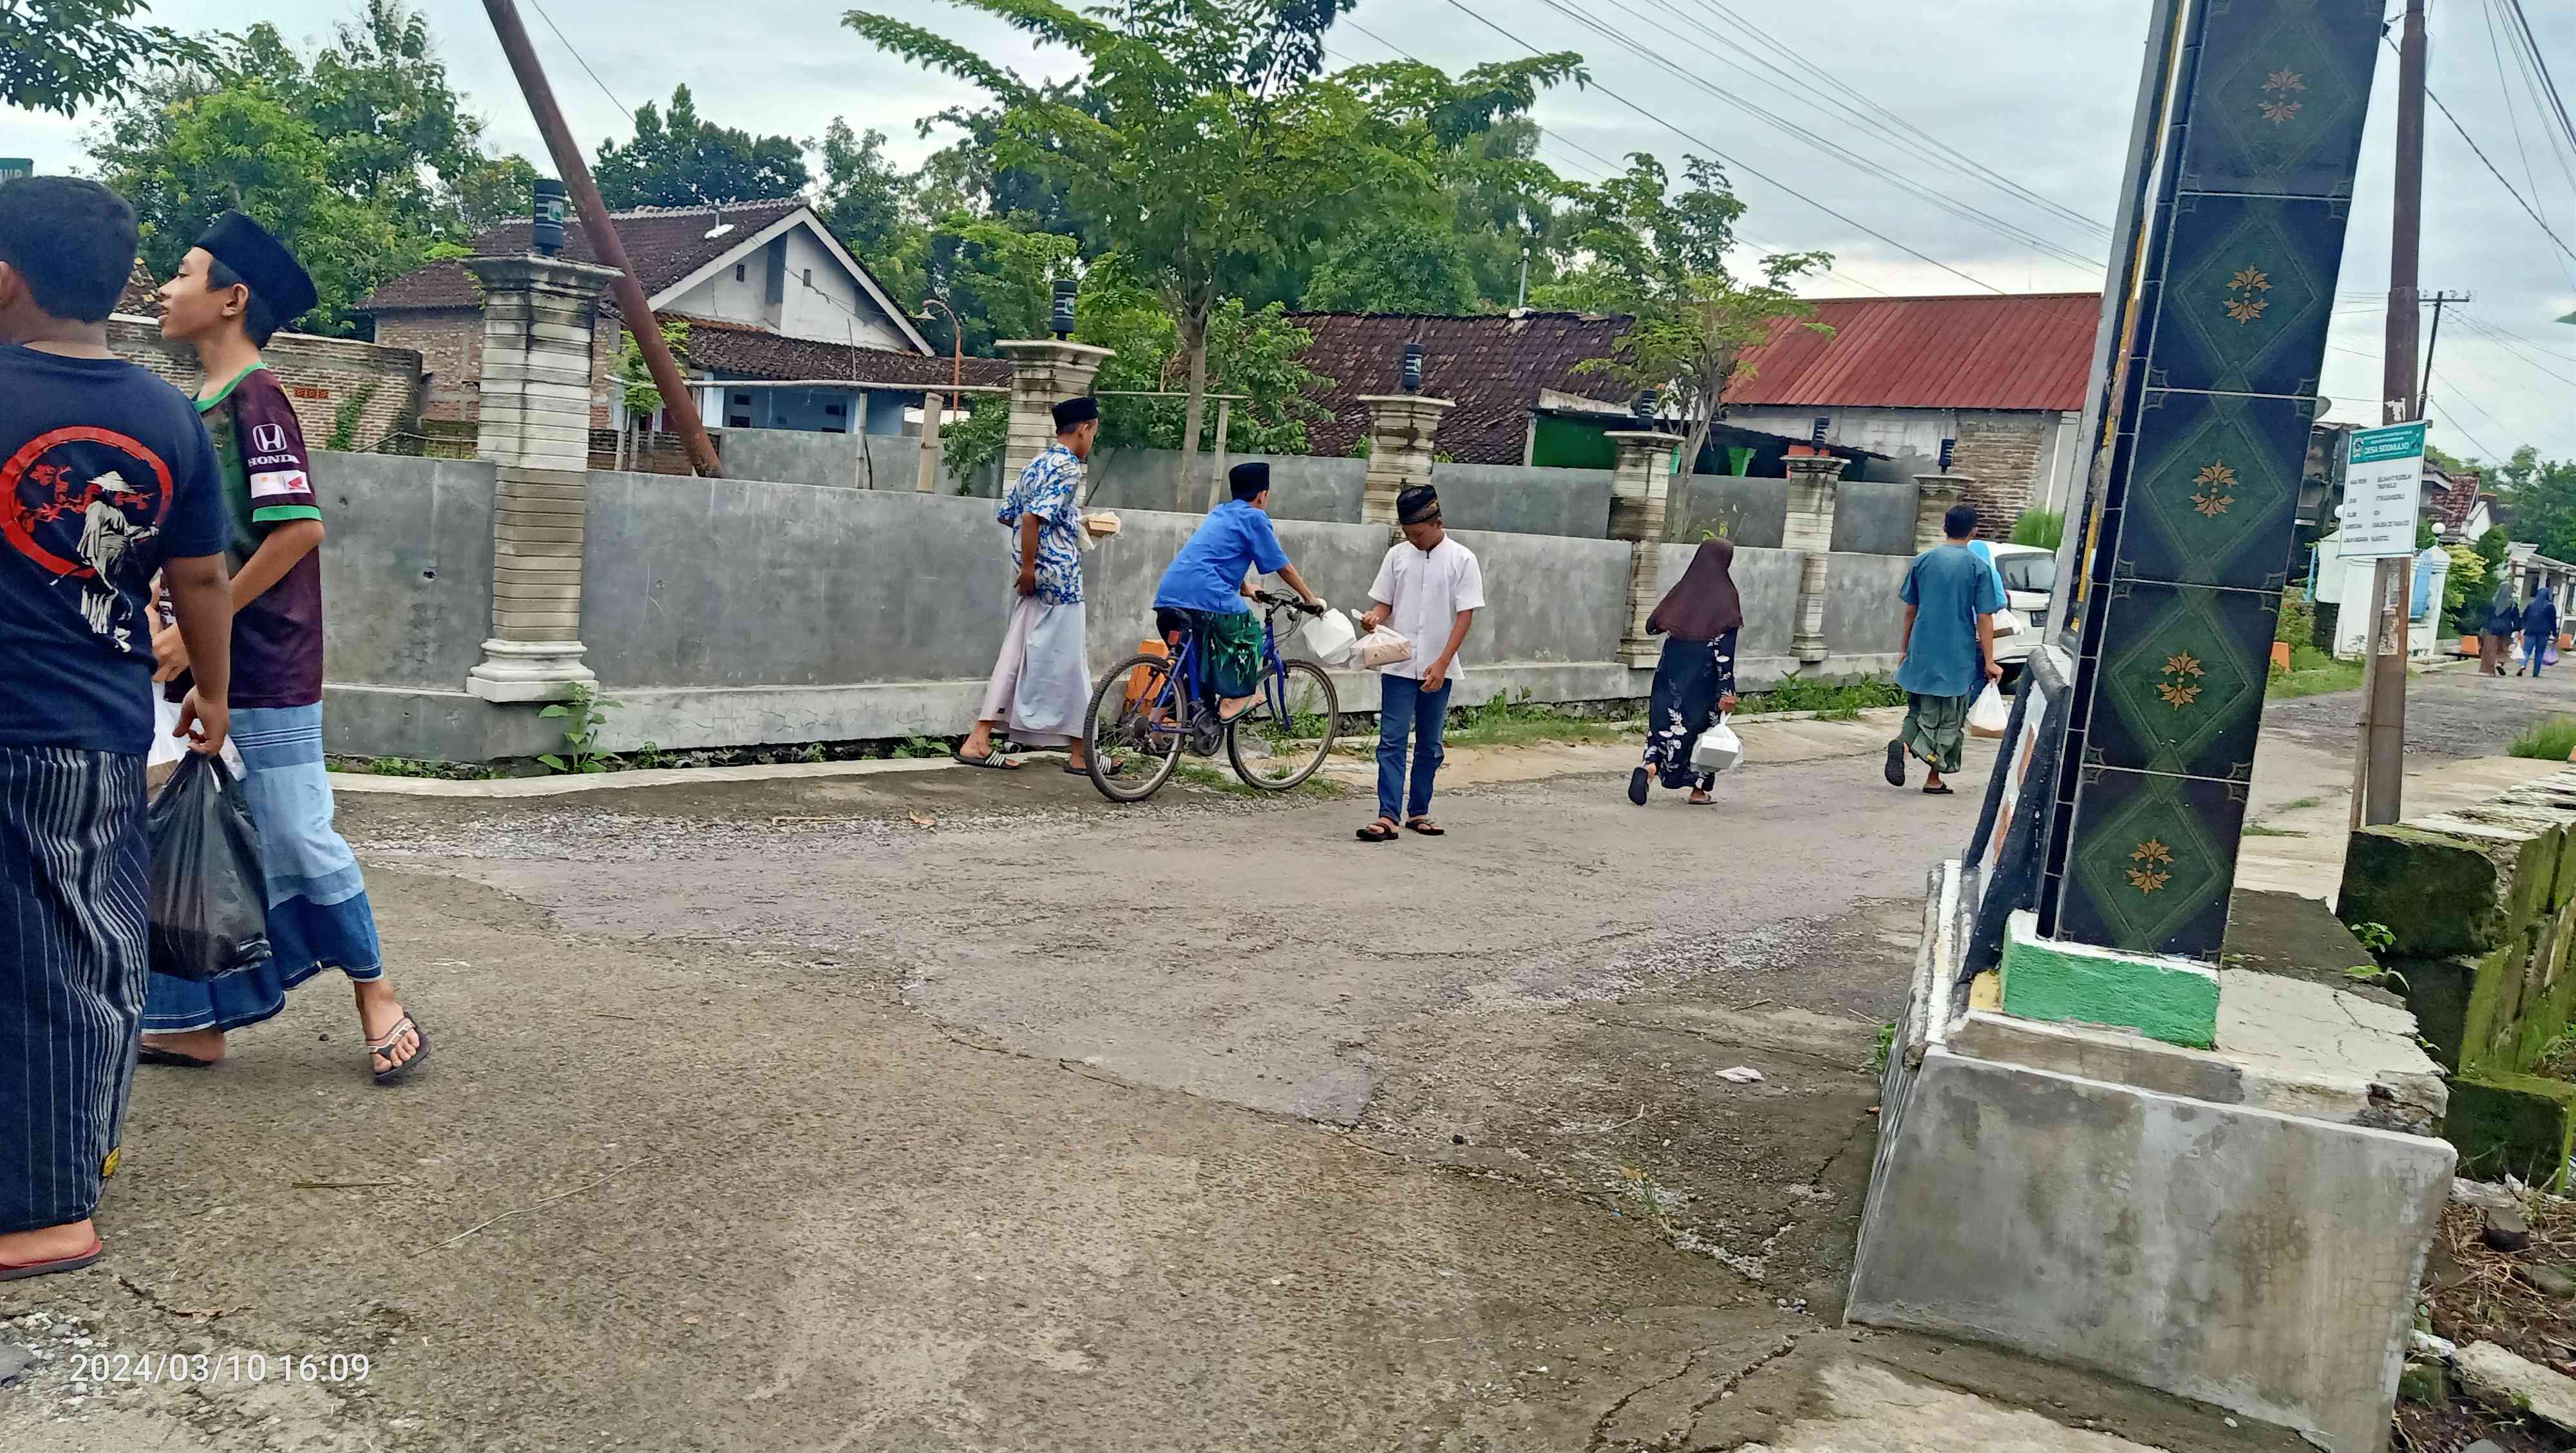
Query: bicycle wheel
x,y
1121,724
1281,742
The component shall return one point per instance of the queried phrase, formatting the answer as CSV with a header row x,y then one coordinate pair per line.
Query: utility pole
x,y
2380,772
633,306
2424,390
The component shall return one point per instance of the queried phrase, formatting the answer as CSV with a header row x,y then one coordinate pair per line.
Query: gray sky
x,y
2037,90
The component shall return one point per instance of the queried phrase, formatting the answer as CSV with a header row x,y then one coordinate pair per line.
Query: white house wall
x,y
1913,437
834,310
723,298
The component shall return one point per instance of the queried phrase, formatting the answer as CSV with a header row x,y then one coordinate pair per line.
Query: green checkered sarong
x,y
1936,729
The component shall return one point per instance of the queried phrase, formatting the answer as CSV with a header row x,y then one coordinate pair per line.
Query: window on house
x,y
809,277
1823,426
738,273
834,410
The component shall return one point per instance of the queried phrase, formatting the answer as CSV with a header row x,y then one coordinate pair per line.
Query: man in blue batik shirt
x,y
1041,682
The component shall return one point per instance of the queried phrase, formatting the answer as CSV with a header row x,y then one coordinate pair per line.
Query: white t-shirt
x,y
1427,592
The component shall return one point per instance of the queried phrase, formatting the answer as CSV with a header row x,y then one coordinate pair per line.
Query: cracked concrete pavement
x,y
955,1110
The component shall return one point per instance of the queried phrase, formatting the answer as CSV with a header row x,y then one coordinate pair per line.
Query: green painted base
x,y
2073,983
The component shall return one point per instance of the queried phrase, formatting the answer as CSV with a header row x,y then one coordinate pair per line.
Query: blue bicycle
x,y
1146,712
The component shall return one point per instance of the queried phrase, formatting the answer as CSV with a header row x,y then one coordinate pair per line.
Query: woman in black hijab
x,y
1696,677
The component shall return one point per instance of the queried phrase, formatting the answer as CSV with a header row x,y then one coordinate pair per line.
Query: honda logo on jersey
x,y
277,484
268,438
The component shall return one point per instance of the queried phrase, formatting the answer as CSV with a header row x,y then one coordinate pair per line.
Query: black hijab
x,y
1702,605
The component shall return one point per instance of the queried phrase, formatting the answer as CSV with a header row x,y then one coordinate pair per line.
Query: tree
x,y
360,155
60,55
863,198
1203,140
1400,265
1255,352
2542,497
684,161
1661,258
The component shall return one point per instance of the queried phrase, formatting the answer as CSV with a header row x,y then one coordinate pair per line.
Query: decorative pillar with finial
x,y
1640,487
1810,530
1403,432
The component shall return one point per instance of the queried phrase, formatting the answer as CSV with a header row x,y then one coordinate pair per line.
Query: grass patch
x,y
1219,779
2256,829
2312,673
1830,701
1503,722
2548,741
407,767
2300,804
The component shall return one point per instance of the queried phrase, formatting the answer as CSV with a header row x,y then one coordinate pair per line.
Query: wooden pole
x,y
632,303
2383,736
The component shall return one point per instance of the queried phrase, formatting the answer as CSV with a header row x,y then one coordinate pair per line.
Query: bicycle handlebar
x,y
1289,601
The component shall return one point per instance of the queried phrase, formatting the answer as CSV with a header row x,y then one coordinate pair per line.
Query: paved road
x,y
961,1111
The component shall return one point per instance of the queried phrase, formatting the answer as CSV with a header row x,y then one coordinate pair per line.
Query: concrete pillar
x,y
1640,489
1933,496
539,314
1044,373
1402,432
1810,530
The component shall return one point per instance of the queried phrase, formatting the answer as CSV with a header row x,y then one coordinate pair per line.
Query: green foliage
x,y
1257,353
582,717
634,377
1886,1042
2466,589
60,55
2548,741
1842,700
998,275
1395,265
357,152
863,198
2044,528
1659,256
678,159
2424,535
2375,937
1205,143
2297,623
2542,496
921,747
344,419
2494,547
968,444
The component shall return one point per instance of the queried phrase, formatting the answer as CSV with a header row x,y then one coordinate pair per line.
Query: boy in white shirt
x,y
1430,588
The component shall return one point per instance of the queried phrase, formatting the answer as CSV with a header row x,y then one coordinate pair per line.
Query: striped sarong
x,y
1936,729
318,913
74,945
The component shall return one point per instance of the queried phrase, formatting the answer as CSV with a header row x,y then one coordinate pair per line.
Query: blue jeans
x,y
2536,644
1405,708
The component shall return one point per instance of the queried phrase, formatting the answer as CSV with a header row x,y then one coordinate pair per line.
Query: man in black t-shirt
x,y
106,477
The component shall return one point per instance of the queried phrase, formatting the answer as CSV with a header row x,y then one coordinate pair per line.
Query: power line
x,y
580,59
2531,43
1748,171
2501,180
1608,167
2512,346
2531,84
2483,451
2008,231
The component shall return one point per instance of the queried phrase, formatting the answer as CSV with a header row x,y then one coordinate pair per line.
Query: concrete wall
x,y
792,457
321,376
1870,516
1302,487
738,611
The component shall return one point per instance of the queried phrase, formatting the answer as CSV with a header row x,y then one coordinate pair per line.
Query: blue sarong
x,y
74,942
318,914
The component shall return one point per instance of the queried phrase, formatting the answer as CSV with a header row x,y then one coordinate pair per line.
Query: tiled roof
x,y
2018,351
736,349
2454,502
665,244
142,296
1494,366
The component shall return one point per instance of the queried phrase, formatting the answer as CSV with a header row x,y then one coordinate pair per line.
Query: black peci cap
x,y
262,262
1075,412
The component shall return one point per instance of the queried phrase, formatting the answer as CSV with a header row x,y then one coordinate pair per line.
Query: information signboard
x,y
2383,492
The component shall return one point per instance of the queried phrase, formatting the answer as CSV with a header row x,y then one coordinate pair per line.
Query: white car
x,y
2029,572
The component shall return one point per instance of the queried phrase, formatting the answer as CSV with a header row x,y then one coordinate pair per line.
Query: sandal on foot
x,y
384,1044
1116,766
21,1270
1941,791
1380,831
171,1058
992,758
1896,764
1426,827
1637,784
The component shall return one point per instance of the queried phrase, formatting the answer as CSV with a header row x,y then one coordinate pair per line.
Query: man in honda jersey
x,y
235,289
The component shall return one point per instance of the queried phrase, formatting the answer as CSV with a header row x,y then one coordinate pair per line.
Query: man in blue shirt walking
x,y
1204,593
1951,597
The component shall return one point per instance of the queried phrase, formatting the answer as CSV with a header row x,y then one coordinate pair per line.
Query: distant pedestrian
x,y
2504,622
1698,619
235,289
1951,597
108,478
2539,631
1430,588
1041,682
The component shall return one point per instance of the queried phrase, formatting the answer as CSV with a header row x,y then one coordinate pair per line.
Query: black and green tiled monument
x,y
2205,414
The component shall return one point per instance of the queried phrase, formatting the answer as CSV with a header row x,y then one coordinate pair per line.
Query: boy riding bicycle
x,y
1203,595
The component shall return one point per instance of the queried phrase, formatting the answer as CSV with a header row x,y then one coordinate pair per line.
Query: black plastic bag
x,y
209,894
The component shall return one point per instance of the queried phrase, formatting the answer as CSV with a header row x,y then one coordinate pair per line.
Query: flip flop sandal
x,y
21,1270
1637,783
385,1042
1426,827
1896,764
1116,766
1699,802
1378,832
991,759
1943,791
171,1058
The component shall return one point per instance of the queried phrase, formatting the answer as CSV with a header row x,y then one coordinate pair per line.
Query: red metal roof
x,y
2016,351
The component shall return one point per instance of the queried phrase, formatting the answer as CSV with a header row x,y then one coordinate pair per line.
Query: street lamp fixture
x,y
957,342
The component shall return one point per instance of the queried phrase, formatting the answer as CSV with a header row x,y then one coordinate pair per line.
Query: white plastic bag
x,y
1990,715
1381,648
1718,748
1329,637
